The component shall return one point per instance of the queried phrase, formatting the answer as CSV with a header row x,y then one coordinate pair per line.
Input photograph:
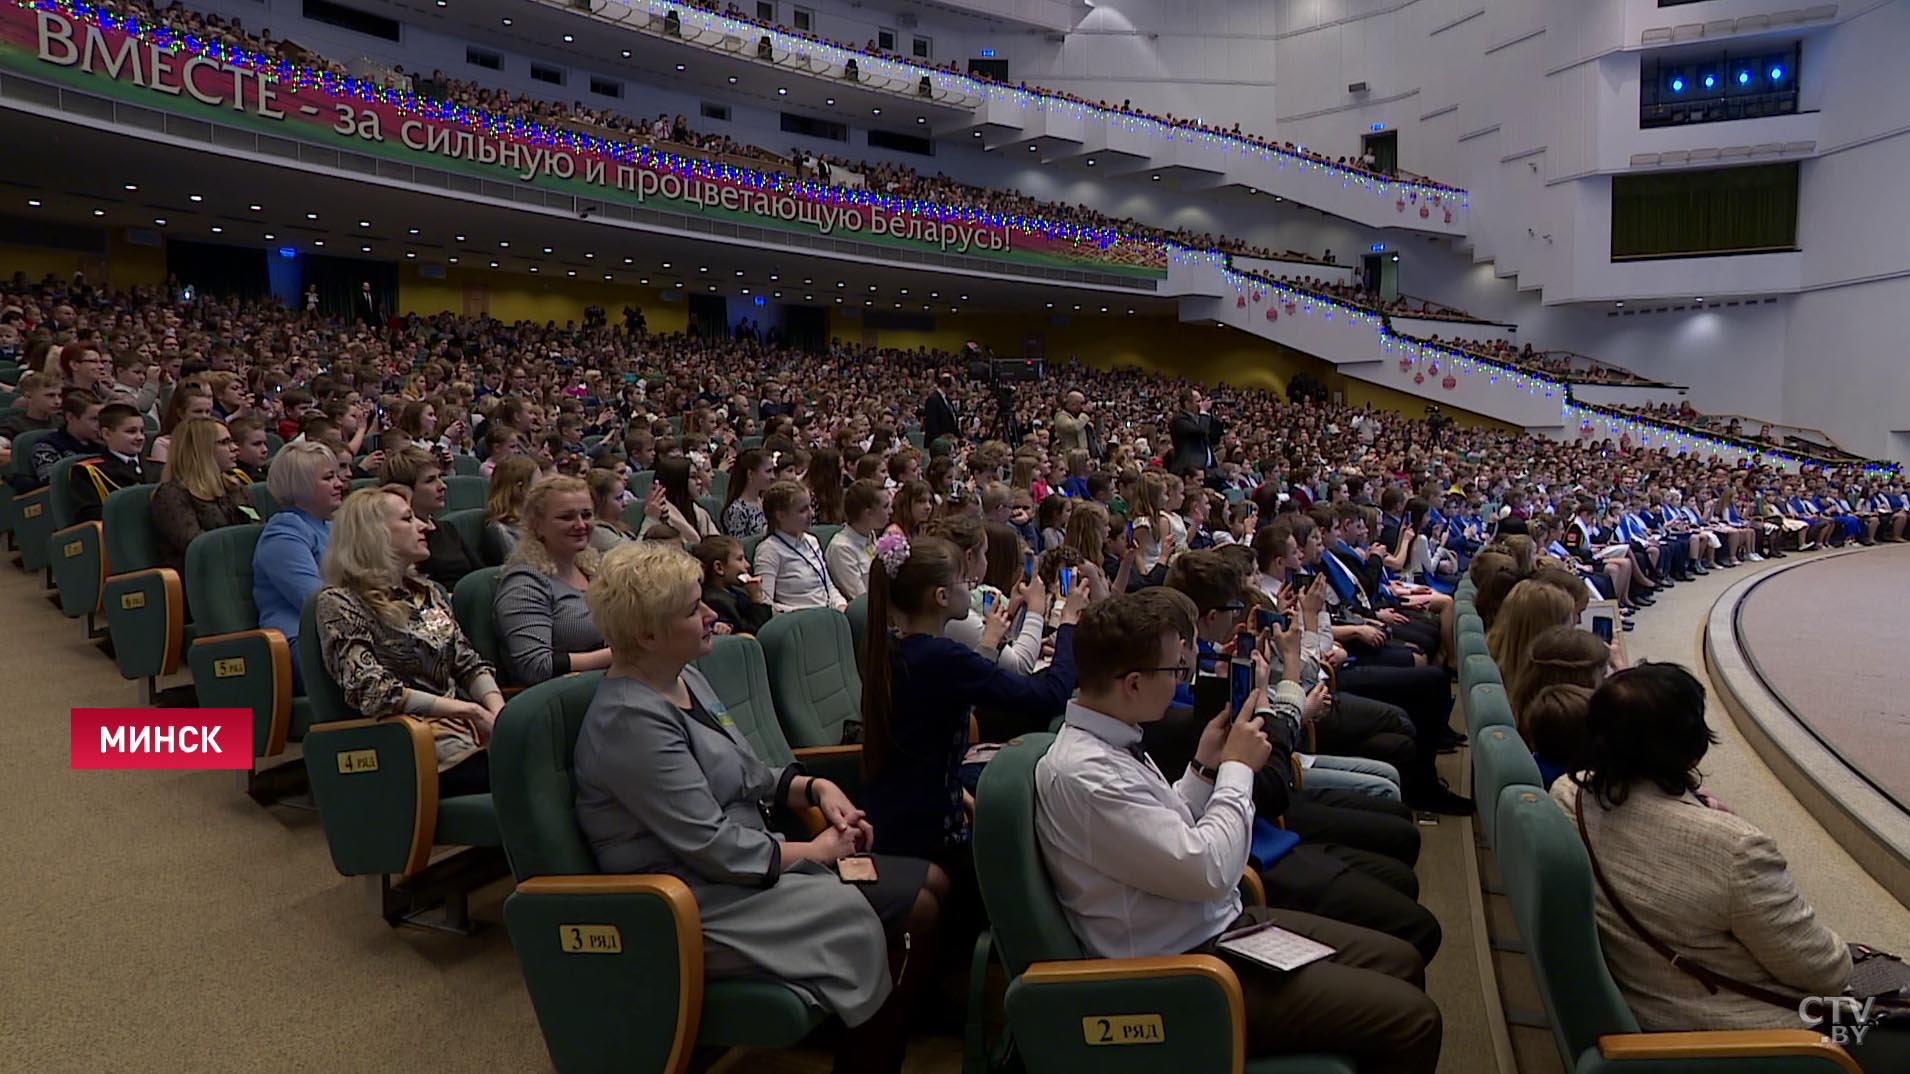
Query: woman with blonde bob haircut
x,y
387,636
1532,608
543,625
666,782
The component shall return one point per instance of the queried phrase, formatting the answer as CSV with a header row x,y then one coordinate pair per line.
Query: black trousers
x,y
1423,693
1356,887
1366,1000
469,776
1339,817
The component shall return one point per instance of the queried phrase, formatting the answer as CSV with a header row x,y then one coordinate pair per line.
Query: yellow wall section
x,y
124,264
516,296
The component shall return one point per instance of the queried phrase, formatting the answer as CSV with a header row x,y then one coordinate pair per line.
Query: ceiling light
x,y
875,111
1130,311
255,208
318,242
411,253
568,39
978,134
678,66
269,236
1620,305
1033,148
699,268
413,231
626,54
829,100
905,290
838,283
872,288
809,298
441,3
838,300
460,238
739,272
666,264
504,243
35,202
1156,178
507,22
547,249
1104,309
732,80
217,230
364,223
920,119
533,268
1700,298
898,305
453,260
1077,305
746,290
160,220
773,277
493,264
645,281
570,272
1051,305
364,249
588,255
99,212
781,92
935,294
1090,162
606,275
778,294
807,281
311,216
964,298
626,261
132,186
194,198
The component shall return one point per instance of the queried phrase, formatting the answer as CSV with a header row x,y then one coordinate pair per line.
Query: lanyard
x,y
802,553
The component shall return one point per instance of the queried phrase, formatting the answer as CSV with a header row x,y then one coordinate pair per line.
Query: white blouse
x,y
794,573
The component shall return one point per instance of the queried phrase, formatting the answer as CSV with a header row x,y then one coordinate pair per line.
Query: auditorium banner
x,y
150,66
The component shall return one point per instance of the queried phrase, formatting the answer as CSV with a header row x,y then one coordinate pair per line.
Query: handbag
x,y
1874,974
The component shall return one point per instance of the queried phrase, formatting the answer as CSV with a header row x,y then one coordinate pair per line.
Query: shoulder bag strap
x,y
1710,979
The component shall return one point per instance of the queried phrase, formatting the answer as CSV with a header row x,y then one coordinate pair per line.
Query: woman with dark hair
x,y
678,478
1692,877
824,478
910,508
750,476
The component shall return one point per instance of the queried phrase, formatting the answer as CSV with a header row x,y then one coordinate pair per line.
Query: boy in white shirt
x,y
1143,867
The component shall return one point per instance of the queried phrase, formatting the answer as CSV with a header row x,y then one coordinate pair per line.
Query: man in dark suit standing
x,y
938,412
368,305
1194,432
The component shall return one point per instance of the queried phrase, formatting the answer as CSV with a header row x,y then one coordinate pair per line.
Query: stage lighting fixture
x,y
1744,77
1777,73
1677,85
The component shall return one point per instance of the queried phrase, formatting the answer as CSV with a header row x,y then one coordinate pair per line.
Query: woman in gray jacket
x,y
667,783
543,627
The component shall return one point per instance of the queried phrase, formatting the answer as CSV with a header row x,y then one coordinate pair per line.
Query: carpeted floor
x,y
1828,639
164,922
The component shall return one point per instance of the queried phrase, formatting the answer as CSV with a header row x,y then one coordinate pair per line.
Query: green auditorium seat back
x,y
1500,759
464,493
812,674
235,663
719,487
712,503
32,511
1486,706
747,442
1471,642
1058,994
473,605
736,669
262,500
638,485
144,603
858,616
1476,669
470,525
75,551
467,465
824,533
749,546
630,994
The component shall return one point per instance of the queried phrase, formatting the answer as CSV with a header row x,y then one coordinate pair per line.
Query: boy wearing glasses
x,y
1145,867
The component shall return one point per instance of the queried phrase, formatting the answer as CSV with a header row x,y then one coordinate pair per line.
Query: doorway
x,y
1383,147
1379,273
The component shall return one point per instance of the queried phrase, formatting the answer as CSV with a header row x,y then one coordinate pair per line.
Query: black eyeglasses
x,y
1182,672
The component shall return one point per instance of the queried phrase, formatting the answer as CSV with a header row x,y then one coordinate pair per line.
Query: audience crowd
x,y
1119,566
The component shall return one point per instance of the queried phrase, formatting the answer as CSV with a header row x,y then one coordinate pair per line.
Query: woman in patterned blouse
x,y
389,640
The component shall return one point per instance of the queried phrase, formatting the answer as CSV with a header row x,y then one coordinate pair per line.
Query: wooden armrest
x,y
280,653
1734,1043
1254,888
173,592
804,753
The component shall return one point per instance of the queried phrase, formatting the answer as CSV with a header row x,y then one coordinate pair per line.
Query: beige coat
x,y
1713,887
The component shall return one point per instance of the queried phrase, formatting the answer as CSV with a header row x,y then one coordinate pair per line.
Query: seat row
x,y
1548,880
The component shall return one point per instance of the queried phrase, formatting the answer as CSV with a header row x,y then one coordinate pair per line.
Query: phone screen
x,y
1240,684
988,603
1067,579
1602,628
1243,645
1028,567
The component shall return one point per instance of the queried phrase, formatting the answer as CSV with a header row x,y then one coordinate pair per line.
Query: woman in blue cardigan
x,y
918,688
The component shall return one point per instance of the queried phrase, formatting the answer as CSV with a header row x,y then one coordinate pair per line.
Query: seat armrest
x,y
841,765
1736,1049
614,966
375,783
1078,1015
1253,890
250,669
146,616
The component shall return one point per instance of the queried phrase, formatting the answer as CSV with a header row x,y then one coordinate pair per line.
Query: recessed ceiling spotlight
x,y
311,216
507,22
588,255
364,223
533,268
505,243
35,202
194,198
921,119
679,66
217,230
160,221
645,281
99,212
269,236
411,253
1156,178
453,260
626,54
413,231
829,101
547,249
255,208
875,111
732,80
318,242
781,91
132,186
493,264
1090,162
364,249
568,39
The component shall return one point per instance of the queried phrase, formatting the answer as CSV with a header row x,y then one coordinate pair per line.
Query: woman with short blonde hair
x,y
665,782
387,636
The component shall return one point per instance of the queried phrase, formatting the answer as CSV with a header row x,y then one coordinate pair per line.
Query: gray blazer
x,y
540,620
659,791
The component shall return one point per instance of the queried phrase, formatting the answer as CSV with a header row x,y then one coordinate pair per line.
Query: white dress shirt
x,y
1141,866
794,573
849,556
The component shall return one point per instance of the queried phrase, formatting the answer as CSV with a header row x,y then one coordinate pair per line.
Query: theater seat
x,y
469,523
736,668
1470,642
1057,994
1486,706
1500,760
464,492
145,603
262,500
76,551
235,662
816,689
825,533
473,605
638,485
1548,881
32,511
468,466
613,963
858,616
375,782
749,546
1476,669
713,503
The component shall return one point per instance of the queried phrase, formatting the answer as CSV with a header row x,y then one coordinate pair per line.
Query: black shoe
x,y
1450,741
1643,600
1700,569
1441,799
1627,624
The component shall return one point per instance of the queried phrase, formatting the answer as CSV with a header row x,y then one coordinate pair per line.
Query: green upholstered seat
x,y
464,492
468,466
825,533
816,688
1476,669
736,669
858,616
469,523
749,546
236,663
32,511
473,604
1500,759
1056,992
262,500
1548,881
1470,643
76,551
747,442
638,484
719,487
1486,706
625,1009
145,604
712,503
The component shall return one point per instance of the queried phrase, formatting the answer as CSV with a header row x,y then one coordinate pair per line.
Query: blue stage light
x,y
287,251
1744,77
1777,74
1677,85
1710,81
